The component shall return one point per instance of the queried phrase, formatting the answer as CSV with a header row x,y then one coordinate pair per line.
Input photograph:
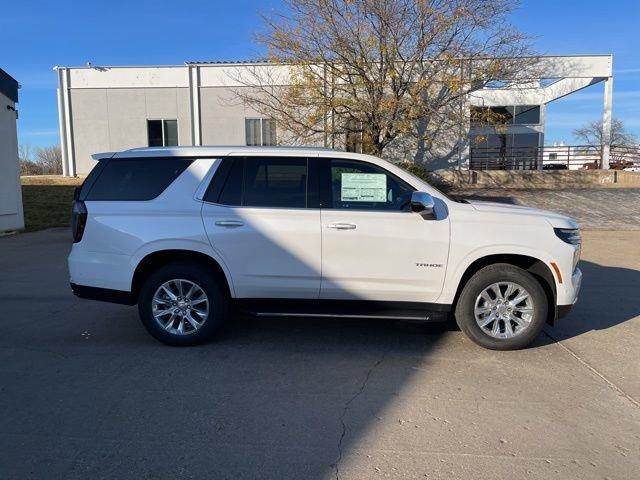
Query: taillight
x,y
78,219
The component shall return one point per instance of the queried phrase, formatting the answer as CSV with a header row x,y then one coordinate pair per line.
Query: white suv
x,y
190,233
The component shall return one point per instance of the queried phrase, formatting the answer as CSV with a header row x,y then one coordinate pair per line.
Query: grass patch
x,y
47,201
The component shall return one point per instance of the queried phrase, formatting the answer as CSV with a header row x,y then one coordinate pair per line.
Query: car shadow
x,y
608,297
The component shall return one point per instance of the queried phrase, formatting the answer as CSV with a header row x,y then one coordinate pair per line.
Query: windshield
x,y
448,197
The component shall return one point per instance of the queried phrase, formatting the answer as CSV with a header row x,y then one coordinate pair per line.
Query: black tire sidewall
x,y
218,303
481,280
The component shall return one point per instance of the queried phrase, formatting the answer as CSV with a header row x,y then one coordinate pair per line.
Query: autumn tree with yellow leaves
x,y
381,70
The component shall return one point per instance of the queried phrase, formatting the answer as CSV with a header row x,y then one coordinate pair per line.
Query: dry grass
x,y
47,200
50,180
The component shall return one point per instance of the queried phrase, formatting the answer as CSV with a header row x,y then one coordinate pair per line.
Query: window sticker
x,y
364,187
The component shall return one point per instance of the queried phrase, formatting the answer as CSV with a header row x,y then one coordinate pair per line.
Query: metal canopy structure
x,y
563,75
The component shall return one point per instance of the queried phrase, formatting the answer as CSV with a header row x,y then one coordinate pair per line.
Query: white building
x,y
116,108
11,216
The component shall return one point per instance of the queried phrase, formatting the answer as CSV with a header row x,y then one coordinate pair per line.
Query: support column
x,y
464,127
61,122
543,121
606,123
194,99
66,126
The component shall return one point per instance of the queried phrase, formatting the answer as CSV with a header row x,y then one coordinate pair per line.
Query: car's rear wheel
x,y
182,304
502,307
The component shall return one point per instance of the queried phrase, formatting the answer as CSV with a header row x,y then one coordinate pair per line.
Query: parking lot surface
x,y
85,392
593,208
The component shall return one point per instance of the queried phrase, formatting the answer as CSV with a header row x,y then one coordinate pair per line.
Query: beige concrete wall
x,y
112,119
534,179
627,179
11,215
222,117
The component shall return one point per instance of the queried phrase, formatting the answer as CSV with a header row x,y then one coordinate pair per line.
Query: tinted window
x,y
357,185
136,178
170,133
275,182
90,180
527,114
154,131
162,133
518,115
262,182
232,190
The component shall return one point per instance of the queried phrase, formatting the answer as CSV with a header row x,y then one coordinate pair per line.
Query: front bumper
x,y
570,287
564,310
571,294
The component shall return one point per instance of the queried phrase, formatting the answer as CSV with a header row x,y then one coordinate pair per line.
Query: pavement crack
x,y
346,409
593,370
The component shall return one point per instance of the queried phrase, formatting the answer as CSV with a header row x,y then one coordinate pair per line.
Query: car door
x,y
373,246
256,217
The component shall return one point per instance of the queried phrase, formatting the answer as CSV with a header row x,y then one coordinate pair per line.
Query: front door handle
x,y
229,223
342,226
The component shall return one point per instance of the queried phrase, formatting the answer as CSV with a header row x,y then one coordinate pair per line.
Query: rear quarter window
x,y
136,178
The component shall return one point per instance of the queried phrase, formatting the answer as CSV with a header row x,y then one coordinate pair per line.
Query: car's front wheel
x,y
502,307
182,304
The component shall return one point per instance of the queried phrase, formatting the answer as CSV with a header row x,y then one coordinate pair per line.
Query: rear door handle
x,y
342,226
229,223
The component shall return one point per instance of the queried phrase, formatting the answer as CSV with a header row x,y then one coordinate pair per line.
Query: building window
x,y
513,115
260,132
526,115
162,133
497,84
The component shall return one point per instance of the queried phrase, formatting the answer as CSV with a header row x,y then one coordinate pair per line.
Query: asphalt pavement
x,y
85,392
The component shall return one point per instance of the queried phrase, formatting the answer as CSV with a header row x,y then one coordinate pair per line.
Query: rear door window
x,y
262,182
275,182
136,178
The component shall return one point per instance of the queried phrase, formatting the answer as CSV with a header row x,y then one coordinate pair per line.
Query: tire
x,y
173,276
531,313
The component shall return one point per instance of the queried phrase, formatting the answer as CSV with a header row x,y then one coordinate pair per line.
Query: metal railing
x,y
570,157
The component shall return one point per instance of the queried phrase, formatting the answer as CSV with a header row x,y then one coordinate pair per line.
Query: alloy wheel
x,y
180,307
504,310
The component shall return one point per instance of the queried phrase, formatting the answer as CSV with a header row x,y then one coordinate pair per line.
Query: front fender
x,y
455,272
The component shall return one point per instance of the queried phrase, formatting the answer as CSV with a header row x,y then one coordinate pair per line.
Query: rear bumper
x,y
103,294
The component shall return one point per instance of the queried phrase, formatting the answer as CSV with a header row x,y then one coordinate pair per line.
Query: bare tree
x,y
382,70
51,159
27,165
590,134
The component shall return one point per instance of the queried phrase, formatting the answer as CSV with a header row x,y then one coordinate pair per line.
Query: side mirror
x,y
423,204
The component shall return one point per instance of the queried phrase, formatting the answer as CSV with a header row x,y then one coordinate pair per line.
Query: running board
x,y
413,311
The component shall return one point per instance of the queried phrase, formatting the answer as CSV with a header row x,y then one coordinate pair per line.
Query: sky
x,y
37,35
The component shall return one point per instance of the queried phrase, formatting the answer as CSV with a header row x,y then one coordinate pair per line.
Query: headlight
x,y
569,235
572,237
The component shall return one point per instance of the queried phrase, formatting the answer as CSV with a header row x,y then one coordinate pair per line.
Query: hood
x,y
556,220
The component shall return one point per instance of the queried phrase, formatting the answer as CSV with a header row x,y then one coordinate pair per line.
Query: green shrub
x,y
414,168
